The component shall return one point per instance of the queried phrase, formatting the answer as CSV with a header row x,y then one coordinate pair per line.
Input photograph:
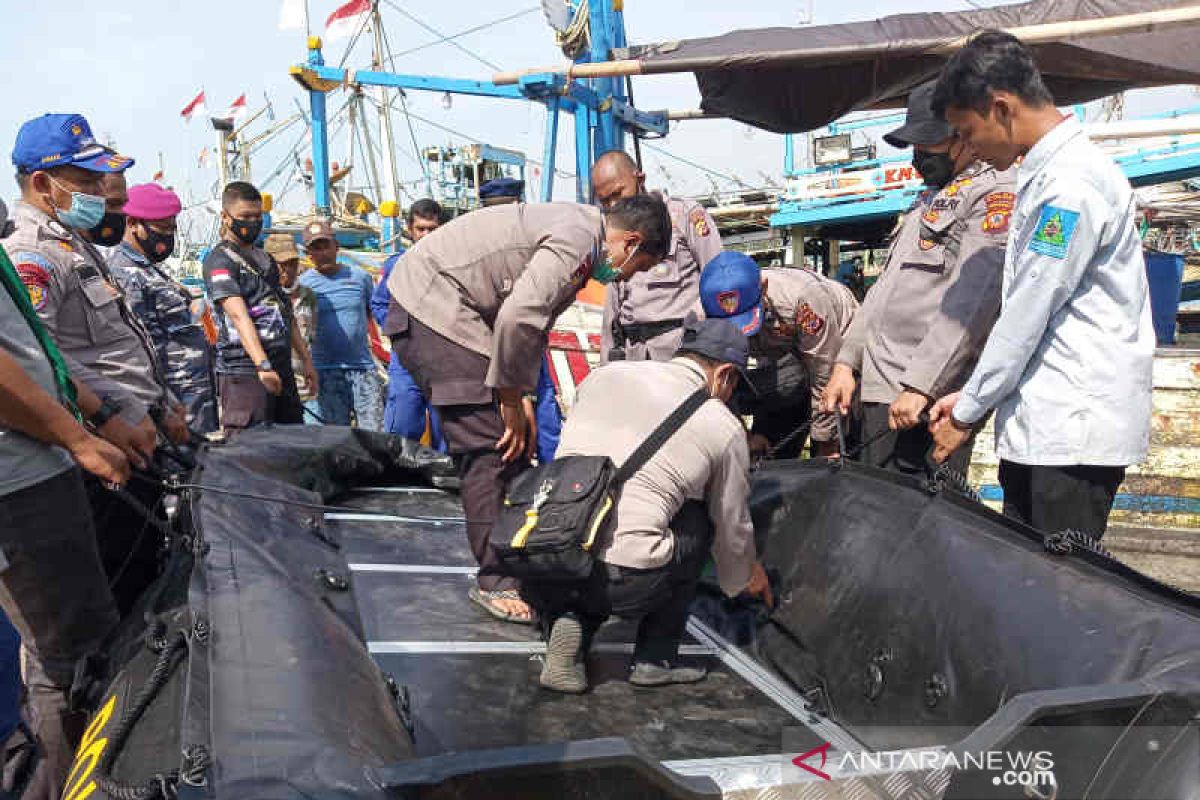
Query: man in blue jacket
x,y
405,411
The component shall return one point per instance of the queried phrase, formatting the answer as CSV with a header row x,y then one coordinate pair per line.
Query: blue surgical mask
x,y
604,272
85,212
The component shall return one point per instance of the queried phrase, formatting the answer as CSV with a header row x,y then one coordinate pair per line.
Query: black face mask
x,y
246,232
109,230
936,169
156,246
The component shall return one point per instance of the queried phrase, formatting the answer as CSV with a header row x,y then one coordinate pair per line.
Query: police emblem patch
x,y
926,244
1055,227
809,322
931,216
998,211
34,271
700,222
728,301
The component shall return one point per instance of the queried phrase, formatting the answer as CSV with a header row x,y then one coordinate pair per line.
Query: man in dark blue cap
x,y
688,501
499,191
787,313
924,322
60,172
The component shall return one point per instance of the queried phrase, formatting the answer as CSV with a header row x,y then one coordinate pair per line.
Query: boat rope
x,y
576,39
161,785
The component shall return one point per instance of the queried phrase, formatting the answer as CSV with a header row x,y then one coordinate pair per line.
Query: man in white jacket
x,y
1068,364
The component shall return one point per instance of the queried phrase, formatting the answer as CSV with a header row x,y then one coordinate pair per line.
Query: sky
x,y
131,66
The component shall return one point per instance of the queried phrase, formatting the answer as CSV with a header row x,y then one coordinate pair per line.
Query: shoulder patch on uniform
x,y
926,244
957,186
931,215
70,248
998,208
34,270
699,222
1054,230
585,266
809,322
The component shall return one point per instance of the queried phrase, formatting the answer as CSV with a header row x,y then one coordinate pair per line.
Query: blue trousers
x,y
404,413
346,391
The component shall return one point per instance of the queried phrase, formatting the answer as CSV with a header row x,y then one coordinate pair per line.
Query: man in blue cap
x,y
60,172
785,312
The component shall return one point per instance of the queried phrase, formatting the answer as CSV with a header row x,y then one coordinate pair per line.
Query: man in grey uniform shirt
x,y
643,317
52,584
472,307
923,324
688,501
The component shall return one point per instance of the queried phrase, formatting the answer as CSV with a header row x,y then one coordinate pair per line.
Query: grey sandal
x,y
486,600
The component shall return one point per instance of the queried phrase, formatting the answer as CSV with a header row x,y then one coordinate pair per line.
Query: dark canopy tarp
x,y
797,79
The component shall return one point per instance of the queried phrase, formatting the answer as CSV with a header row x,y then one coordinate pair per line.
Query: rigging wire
x,y
446,39
438,33
694,165
407,119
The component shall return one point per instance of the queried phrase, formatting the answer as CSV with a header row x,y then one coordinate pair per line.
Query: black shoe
x,y
563,670
647,673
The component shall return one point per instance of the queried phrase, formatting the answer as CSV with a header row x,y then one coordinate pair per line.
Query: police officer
x,y
52,587
1068,364
472,305
794,312
924,322
643,316
59,172
687,502
541,407
163,305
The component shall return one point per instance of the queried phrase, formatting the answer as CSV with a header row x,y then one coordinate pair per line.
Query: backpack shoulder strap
x,y
659,436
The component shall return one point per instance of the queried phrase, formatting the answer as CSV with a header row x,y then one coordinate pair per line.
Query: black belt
x,y
642,332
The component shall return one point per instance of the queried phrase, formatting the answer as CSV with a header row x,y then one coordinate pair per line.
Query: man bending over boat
x,y
1068,364
689,500
472,306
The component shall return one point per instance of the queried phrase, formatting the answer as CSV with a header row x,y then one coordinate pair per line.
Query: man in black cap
x,y
922,326
690,499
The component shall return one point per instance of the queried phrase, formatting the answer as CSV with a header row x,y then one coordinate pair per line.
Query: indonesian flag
x,y
236,110
347,20
193,108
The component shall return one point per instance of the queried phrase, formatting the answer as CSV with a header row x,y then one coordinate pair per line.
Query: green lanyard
x,y
20,297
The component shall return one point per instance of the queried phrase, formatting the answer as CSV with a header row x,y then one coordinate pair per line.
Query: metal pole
x,y
583,154
789,156
320,135
392,190
223,158
606,128
550,149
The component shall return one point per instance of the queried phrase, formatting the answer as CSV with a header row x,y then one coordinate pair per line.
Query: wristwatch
x,y
109,408
265,365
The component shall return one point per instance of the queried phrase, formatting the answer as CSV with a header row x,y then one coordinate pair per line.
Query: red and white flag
x,y
236,110
194,108
347,20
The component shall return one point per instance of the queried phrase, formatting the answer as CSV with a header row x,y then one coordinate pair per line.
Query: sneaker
x,y
646,673
563,670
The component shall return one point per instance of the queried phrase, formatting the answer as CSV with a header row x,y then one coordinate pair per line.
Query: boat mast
x,y
390,191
